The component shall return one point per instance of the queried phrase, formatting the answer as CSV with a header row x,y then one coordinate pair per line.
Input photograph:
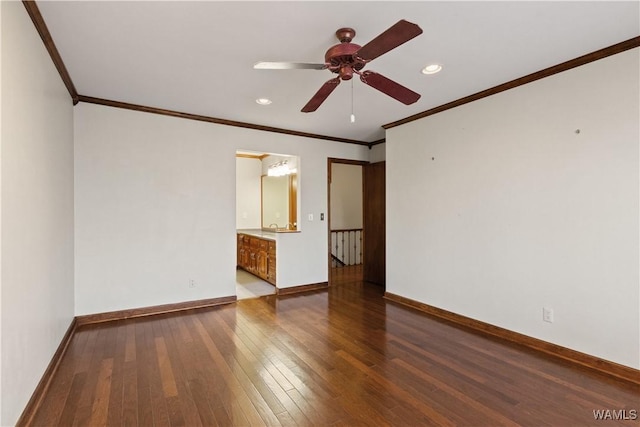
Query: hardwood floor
x,y
342,356
346,274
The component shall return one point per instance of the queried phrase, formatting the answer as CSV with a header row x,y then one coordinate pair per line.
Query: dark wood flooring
x,y
342,356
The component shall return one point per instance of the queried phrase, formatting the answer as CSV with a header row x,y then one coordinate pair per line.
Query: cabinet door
x,y
254,244
239,249
244,258
252,261
271,263
261,264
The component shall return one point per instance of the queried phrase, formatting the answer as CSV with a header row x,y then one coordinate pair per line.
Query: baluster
x,y
349,249
355,247
346,258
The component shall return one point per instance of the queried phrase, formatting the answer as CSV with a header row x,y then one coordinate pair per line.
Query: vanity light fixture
x,y
263,101
280,169
432,69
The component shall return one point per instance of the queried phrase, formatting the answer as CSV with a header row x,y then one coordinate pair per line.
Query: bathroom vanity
x,y
257,253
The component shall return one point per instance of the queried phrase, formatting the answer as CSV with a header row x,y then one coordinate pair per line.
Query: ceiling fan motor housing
x,y
341,58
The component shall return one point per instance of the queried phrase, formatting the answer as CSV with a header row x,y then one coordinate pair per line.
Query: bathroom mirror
x,y
279,202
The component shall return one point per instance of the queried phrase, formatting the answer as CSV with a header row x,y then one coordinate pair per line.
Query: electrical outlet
x,y
547,314
192,283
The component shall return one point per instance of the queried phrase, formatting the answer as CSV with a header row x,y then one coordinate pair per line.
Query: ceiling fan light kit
x,y
347,59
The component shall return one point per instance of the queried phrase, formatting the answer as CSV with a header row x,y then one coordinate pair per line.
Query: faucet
x,y
290,226
272,225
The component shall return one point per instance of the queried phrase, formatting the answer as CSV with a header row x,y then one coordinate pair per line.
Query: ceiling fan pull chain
x,y
353,117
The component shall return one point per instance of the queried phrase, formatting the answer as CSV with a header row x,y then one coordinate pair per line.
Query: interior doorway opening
x,y
266,201
356,222
346,221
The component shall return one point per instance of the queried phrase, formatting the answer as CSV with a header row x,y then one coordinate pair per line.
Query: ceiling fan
x,y
347,58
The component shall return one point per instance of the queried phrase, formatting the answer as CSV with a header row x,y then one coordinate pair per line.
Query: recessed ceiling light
x,y
432,69
263,101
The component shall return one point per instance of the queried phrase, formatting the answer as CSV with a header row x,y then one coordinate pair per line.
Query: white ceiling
x,y
197,57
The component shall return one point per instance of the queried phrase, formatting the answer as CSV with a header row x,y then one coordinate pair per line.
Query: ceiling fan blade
x,y
288,66
399,33
321,95
389,87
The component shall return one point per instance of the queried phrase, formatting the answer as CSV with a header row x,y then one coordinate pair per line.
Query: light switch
x,y
310,217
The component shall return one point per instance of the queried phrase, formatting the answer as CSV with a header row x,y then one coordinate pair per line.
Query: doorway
x,y
356,222
346,220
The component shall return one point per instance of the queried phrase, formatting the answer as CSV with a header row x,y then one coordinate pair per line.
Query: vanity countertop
x,y
256,232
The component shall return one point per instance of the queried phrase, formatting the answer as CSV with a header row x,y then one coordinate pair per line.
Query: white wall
x,y
248,173
36,210
346,196
506,209
155,207
378,153
1,352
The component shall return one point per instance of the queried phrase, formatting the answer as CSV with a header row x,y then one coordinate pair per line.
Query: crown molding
x,y
189,116
252,156
573,63
45,35
38,21
376,142
43,31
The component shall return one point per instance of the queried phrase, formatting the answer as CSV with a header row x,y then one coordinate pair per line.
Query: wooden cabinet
x,y
262,259
271,262
257,256
243,250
